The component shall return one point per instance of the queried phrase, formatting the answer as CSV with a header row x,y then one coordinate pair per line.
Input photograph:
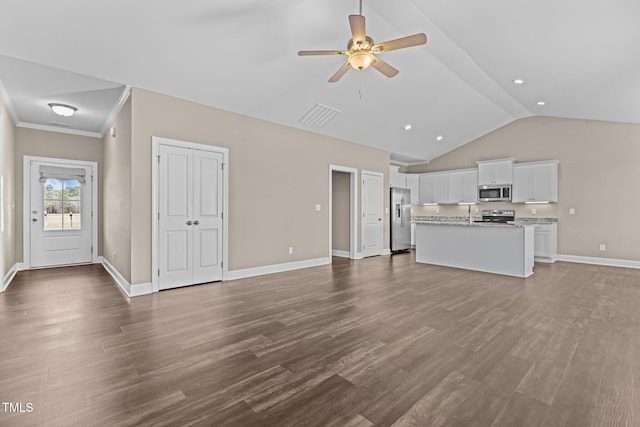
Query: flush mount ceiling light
x,y
63,109
518,81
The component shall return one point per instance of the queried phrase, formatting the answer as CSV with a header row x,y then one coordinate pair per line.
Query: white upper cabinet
x,y
491,172
535,182
463,186
397,179
459,186
434,187
413,184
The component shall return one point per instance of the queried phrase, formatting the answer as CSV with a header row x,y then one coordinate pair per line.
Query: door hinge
x,y
91,249
158,159
158,272
158,215
222,164
221,215
222,264
91,214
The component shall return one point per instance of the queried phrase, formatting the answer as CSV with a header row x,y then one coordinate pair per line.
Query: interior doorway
x,y
343,216
59,212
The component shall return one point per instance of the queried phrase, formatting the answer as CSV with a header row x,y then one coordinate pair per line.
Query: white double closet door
x,y
190,201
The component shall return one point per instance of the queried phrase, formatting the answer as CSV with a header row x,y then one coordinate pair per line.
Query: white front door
x,y
190,216
372,208
60,214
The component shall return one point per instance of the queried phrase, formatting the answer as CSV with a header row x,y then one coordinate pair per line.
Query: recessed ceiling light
x,y
408,126
518,81
63,109
439,138
541,103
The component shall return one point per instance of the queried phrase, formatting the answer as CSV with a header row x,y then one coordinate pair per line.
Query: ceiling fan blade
x,y
338,75
401,43
384,68
358,33
321,52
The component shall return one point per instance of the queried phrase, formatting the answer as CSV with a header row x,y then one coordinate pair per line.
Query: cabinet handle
x,y
196,222
189,222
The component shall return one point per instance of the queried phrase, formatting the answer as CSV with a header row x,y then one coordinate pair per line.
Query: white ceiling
x,y
580,56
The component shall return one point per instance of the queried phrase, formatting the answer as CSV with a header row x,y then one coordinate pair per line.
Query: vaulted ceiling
x,y
580,57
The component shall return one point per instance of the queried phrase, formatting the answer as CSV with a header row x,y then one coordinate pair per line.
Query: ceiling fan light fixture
x,y
63,109
361,59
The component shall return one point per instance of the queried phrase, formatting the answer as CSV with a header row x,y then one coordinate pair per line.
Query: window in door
x,y
62,204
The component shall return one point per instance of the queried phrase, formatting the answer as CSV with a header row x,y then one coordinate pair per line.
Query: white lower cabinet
x,y
545,242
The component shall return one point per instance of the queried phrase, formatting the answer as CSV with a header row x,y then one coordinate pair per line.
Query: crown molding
x,y
4,97
126,91
59,129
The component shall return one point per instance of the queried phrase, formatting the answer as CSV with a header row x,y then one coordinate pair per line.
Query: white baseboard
x,y
277,268
123,283
611,262
139,289
386,251
359,255
341,254
126,287
6,280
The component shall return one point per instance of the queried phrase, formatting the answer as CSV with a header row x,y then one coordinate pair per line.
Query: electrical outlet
x,y
437,210
572,211
477,210
115,254
318,207
534,211
603,247
290,250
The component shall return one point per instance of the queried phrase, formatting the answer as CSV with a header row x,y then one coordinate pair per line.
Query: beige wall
x,y
116,213
277,174
8,139
341,208
32,142
598,176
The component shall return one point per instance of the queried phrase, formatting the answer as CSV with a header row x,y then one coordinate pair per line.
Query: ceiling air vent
x,y
319,115
60,124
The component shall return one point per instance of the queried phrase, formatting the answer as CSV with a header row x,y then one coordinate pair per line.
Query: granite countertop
x,y
459,220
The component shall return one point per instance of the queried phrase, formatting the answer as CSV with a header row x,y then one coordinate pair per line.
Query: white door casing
x,y
372,213
353,208
52,236
188,214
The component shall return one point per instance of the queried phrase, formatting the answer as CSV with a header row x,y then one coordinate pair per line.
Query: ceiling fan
x,y
361,51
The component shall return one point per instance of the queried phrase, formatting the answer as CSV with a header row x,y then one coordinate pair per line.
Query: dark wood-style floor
x,y
381,341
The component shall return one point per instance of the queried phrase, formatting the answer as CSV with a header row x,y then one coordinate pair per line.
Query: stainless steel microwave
x,y
494,193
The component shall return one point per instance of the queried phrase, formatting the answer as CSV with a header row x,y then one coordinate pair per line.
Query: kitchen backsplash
x,y
541,210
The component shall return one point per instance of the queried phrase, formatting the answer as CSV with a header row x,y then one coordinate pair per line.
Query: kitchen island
x,y
493,248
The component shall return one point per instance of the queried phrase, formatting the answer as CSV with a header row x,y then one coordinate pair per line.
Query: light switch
x,y
572,211
318,207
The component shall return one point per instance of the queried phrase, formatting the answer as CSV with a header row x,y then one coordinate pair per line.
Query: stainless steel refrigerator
x,y
400,219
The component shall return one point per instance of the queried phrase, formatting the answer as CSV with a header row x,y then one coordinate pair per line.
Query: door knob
x,y
189,222
196,222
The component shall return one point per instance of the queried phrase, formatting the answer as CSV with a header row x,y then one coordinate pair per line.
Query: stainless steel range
x,y
497,216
